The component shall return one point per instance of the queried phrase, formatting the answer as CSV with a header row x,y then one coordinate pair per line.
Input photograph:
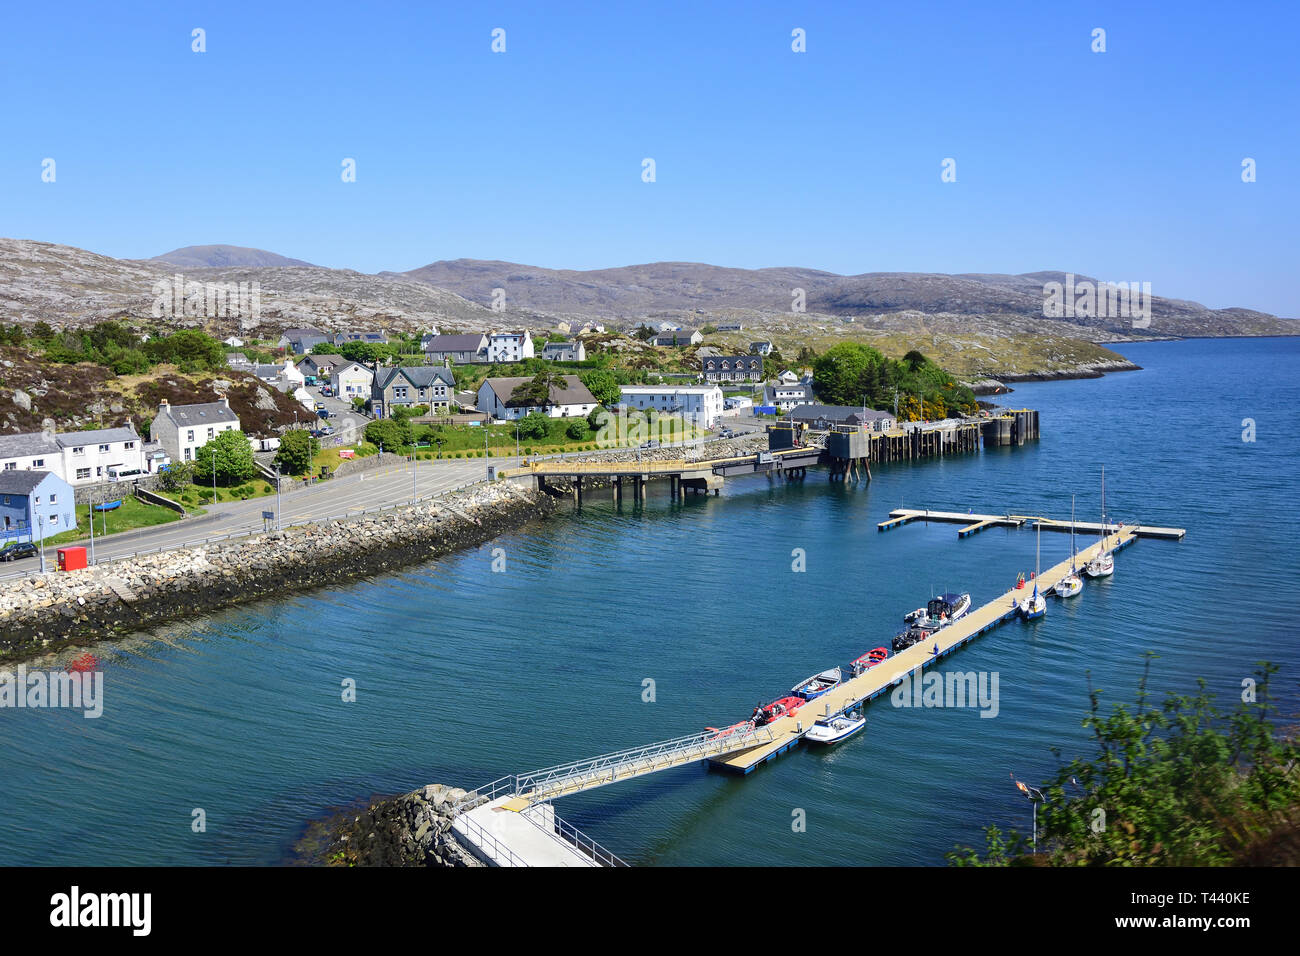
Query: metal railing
x,y
501,855
569,834
551,782
245,531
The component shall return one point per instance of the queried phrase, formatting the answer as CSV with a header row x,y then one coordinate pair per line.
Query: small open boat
x,y
784,707
834,729
909,636
818,684
868,660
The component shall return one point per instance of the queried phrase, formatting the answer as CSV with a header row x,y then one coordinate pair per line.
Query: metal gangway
x,y
570,778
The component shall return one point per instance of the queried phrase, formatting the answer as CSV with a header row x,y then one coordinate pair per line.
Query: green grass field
x,y
134,513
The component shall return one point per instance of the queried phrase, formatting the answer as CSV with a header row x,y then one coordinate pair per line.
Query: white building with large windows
x,y
80,458
184,429
510,346
702,404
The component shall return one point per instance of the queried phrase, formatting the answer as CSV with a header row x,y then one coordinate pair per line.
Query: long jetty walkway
x,y
511,822
974,523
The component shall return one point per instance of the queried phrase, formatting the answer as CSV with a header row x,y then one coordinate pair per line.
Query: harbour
x,y
449,693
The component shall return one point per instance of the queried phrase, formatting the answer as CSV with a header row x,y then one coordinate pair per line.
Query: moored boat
x,y
940,611
1035,606
1103,565
785,707
818,684
909,636
834,729
1072,583
868,660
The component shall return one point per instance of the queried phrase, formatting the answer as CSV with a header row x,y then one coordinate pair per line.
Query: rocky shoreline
x,y
39,614
412,829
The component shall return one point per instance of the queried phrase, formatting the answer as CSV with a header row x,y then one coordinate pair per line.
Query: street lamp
x,y
277,493
90,513
40,524
1035,797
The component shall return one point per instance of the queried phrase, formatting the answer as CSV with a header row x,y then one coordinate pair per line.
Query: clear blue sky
x,y
1124,165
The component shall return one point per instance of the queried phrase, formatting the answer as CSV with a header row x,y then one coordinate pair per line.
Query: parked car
x,y
16,552
327,430
650,444
728,433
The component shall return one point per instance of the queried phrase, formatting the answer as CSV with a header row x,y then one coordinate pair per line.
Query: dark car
x,y
16,552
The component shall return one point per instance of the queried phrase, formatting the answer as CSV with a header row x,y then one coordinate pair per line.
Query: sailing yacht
x,y
1034,606
1071,584
1103,565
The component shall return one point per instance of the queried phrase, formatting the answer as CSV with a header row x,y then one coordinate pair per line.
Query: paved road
x,y
390,487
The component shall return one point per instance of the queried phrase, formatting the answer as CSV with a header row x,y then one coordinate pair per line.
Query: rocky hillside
x,y
221,257
686,287
73,397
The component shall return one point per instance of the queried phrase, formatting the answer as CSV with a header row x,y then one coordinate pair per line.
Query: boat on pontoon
x,y
831,730
867,661
785,707
1072,583
909,636
1035,606
818,684
1103,565
940,611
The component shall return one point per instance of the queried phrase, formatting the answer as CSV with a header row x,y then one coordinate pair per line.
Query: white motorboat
x,y
940,612
1103,565
834,729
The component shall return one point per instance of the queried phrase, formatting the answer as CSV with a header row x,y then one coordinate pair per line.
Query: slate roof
x,y
846,414
573,393
187,416
27,444
454,343
421,376
21,482
102,436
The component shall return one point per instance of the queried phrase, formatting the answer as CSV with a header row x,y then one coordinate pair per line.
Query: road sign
x,y
268,515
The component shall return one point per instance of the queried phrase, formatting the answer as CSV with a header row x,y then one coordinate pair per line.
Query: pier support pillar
x,y
618,491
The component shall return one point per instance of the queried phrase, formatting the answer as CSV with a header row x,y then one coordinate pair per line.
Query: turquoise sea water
x,y
464,675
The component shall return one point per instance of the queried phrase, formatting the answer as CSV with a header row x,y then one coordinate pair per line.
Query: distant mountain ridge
x,y
225,257
631,291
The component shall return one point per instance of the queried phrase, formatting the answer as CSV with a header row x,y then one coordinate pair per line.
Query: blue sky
x,y
1125,165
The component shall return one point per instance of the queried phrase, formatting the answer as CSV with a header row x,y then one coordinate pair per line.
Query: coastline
x,y
39,615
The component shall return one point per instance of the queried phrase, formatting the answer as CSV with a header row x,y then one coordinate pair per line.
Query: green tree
x,y
178,476
297,449
391,433
576,429
1179,783
534,426
233,457
603,386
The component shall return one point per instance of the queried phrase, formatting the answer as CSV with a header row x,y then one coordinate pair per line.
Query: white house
x,y
701,404
234,341
787,395
674,337
572,401
510,346
183,429
352,380
564,352
289,378
79,458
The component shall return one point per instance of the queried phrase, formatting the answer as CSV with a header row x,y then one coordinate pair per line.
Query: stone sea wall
x,y
408,830
41,613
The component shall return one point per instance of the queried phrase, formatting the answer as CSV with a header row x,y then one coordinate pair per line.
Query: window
x,y
36,500
83,473
189,435
399,392
129,445
54,519
38,463
54,499
103,449
6,499
11,466
79,451
187,454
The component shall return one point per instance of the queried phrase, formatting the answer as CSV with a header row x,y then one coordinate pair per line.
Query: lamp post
x,y
277,494
516,438
90,513
1035,797
40,524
